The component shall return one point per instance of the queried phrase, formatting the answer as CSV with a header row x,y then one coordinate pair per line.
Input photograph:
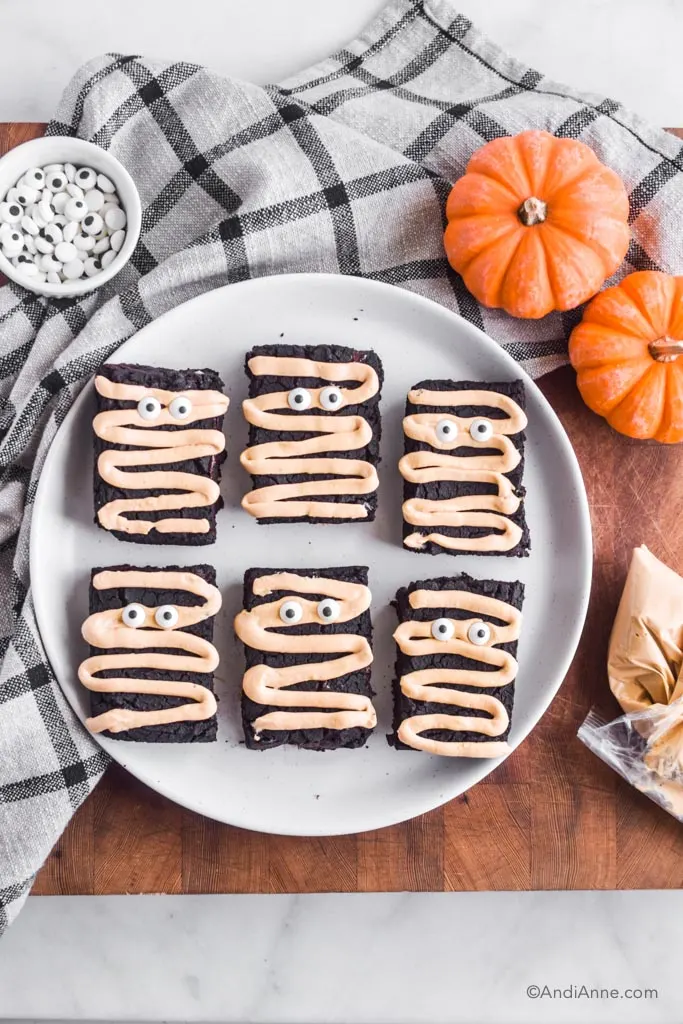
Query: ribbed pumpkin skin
x,y
639,394
529,271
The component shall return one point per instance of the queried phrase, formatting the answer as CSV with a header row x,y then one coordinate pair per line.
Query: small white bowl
x,y
60,149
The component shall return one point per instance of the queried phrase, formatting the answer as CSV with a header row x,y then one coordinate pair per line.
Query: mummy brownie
x,y
159,446
456,665
307,637
314,431
462,468
151,664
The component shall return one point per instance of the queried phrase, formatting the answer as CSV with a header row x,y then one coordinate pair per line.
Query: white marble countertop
x,y
626,49
442,958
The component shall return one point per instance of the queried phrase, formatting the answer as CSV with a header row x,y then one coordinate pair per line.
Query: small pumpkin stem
x,y
665,349
532,211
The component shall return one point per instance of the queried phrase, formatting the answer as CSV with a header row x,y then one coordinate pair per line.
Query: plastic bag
x,y
645,671
645,748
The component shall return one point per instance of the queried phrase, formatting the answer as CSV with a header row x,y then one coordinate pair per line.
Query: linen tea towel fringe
x,y
345,168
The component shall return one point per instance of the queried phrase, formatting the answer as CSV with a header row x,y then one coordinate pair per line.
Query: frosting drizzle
x,y
269,685
312,455
485,511
439,685
157,447
108,629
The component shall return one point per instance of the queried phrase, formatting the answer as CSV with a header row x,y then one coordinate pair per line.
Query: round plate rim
x,y
559,437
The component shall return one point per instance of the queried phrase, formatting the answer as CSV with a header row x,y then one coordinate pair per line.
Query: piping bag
x,y
645,670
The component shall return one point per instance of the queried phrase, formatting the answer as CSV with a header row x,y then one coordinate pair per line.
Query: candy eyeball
x,y
105,185
180,408
65,251
75,209
133,615
479,633
291,612
60,201
149,408
73,269
331,399
11,213
12,243
26,195
481,430
299,399
92,266
115,219
56,181
166,616
329,610
54,234
86,178
442,629
94,200
446,430
92,223
34,178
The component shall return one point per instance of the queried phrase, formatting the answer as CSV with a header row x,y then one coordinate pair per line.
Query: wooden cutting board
x,y
552,817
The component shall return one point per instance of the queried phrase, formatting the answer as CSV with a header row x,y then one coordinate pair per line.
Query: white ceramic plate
x,y
286,790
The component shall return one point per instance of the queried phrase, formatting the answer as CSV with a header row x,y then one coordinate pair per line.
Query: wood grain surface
x,y
552,817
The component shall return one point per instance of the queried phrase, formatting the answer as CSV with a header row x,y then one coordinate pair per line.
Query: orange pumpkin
x,y
628,355
536,223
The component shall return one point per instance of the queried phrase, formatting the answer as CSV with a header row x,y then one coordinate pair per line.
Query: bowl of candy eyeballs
x,y
70,216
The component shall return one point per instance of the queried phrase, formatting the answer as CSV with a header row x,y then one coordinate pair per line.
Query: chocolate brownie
x,y
206,464
434,491
302,443
355,681
121,596
458,655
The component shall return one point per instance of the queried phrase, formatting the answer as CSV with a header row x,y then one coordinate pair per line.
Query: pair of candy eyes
x,y
300,399
150,408
480,430
134,615
292,612
479,633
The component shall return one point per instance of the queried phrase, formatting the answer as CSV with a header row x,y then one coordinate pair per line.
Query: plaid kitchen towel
x,y
343,169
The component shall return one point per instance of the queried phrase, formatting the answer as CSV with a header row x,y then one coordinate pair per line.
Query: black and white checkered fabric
x,y
343,169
